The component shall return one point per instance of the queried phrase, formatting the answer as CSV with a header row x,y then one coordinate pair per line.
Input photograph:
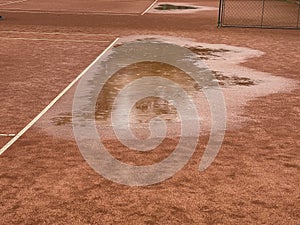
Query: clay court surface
x,y
44,179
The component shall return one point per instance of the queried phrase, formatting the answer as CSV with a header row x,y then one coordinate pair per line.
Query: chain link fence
x,y
260,13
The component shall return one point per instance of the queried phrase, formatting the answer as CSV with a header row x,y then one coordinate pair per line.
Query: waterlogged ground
x,y
223,62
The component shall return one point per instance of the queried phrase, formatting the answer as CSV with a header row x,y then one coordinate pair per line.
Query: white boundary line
x,y
29,125
69,13
12,2
7,135
143,13
53,33
47,39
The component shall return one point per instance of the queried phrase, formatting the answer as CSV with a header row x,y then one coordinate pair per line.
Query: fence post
x,y
262,13
220,13
298,20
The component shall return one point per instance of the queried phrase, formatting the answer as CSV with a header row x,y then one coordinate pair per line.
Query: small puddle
x,y
173,7
179,8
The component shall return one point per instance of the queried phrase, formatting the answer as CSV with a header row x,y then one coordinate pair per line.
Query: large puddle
x,y
238,84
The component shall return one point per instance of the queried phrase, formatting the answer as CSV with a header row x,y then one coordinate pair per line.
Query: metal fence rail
x,y
260,13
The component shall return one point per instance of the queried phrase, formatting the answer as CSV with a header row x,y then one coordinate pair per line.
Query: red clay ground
x,y
90,6
45,180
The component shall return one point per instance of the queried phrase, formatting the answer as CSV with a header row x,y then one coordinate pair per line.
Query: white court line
x,y
47,39
54,33
69,13
13,2
29,125
7,135
149,7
